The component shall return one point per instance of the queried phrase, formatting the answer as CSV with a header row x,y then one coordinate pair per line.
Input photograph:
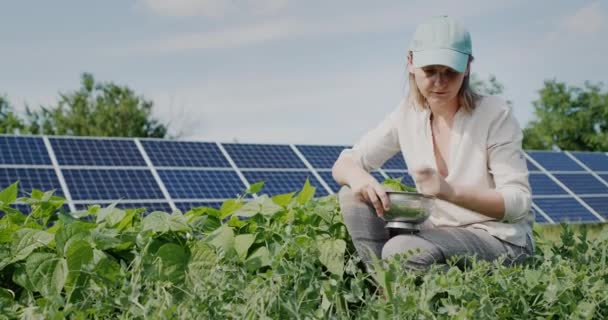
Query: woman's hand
x,y
430,183
372,192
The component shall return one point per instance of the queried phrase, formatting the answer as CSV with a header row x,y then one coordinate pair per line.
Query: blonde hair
x,y
467,97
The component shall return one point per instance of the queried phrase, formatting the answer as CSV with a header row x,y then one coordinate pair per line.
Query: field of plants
x,y
282,257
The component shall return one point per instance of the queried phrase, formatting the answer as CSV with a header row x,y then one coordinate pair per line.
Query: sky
x,y
284,71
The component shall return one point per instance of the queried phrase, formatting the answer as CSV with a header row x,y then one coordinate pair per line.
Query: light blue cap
x,y
441,41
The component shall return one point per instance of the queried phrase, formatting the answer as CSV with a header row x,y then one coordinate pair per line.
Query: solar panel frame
x,y
555,208
268,156
44,179
321,157
554,161
595,161
582,183
112,184
164,153
283,181
24,151
204,184
96,152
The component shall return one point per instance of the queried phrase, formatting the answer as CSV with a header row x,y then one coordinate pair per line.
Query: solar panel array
x,y
167,175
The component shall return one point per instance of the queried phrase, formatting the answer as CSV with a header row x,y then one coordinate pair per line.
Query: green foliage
x,y
490,87
10,123
570,118
97,109
291,258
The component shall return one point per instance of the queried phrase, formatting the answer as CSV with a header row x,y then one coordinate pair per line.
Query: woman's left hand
x,y
431,183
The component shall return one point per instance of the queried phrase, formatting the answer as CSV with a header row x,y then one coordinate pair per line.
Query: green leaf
x,y
202,256
283,199
259,258
307,193
26,241
256,187
110,215
70,232
173,262
9,194
162,222
222,238
262,205
242,243
105,267
332,255
228,207
47,272
78,255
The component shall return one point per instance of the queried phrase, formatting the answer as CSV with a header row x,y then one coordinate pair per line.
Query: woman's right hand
x,y
370,191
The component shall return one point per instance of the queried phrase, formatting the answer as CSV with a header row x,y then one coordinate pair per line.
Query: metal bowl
x,y
407,210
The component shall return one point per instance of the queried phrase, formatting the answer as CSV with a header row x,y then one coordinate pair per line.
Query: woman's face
x,y
438,84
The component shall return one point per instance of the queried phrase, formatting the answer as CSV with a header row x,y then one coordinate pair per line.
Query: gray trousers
x,y
429,246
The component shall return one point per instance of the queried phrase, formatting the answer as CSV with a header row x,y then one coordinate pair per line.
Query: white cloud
x,y
212,8
588,20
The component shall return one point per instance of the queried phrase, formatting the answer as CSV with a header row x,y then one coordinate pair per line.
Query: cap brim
x,y
444,57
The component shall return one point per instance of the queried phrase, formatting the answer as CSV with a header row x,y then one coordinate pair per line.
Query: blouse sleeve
x,y
507,164
378,144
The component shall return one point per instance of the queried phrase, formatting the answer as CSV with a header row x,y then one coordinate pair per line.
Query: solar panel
x,y
329,179
582,183
539,217
202,184
23,150
100,184
396,162
186,206
278,182
595,161
541,184
148,206
30,178
321,157
185,154
555,161
599,204
263,156
604,177
96,152
531,166
565,209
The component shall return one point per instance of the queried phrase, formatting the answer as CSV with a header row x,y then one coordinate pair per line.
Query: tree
x,y
9,122
97,109
569,118
491,87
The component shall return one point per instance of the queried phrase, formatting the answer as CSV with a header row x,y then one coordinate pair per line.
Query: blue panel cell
x,y
604,177
599,204
541,184
97,152
531,166
539,217
263,156
555,161
595,161
582,183
396,162
405,177
329,179
185,154
379,177
186,206
98,184
148,206
41,179
565,209
202,184
23,150
321,157
278,182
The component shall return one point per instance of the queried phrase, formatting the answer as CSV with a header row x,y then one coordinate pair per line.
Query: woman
x,y
460,147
